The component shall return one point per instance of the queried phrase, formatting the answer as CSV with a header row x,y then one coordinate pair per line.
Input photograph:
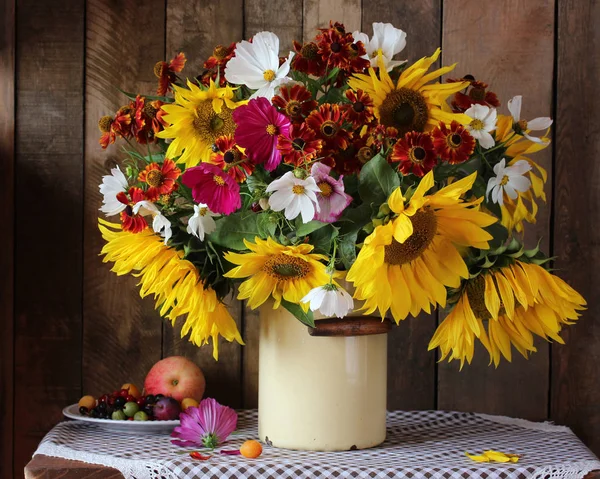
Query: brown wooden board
x,y
48,212
122,333
575,393
195,28
411,369
7,159
318,13
512,49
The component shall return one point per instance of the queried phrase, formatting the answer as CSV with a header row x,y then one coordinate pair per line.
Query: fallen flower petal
x,y
231,453
477,458
493,456
197,455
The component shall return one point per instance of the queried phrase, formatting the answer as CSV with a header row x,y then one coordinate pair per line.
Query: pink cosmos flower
x,y
212,186
207,425
258,126
332,198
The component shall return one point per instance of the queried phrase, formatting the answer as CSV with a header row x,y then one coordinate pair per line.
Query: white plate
x,y
132,427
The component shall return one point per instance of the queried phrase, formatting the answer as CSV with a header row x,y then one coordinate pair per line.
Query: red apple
x,y
175,377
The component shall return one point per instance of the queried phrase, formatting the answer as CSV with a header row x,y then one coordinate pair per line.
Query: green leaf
x,y
500,234
354,219
322,238
233,229
377,180
267,225
306,318
258,180
304,229
132,96
347,249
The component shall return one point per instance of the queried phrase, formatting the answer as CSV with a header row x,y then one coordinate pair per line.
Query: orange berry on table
x,y
188,402
88,402
132,389
251,449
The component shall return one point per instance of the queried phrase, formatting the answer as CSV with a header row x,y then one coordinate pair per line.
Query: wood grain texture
x,y
354,326
411,369
284,21
122,333
48,199
7,204
196,28
575,394
512,49
318,13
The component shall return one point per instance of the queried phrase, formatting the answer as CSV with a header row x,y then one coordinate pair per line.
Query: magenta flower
x,y
207,425
212,186
258,126
332,198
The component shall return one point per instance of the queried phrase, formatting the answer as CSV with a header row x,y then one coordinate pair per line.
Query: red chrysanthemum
x,y
327,124
351,159
130,221
120,125
335,48
295,101
307,59
212,186
148,120
453,144
477,93
216,63
226,152
383,137
360,109
300,146
167,73
356,62
161,179
415,153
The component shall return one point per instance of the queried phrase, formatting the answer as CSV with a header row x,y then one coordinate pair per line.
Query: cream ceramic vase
x,y
321,392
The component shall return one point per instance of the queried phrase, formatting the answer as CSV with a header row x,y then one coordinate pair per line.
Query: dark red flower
x,y
167,73
384,137
160,178
334,48
130,221
477,93
327,124
120,125
226,153
454,144
415,153
216,63
307,59
356,62
295,101
148,120
300,145
351,159
360,109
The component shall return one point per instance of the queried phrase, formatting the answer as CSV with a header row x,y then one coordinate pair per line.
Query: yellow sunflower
x,y
413,104
524,207
173,281
517,301
283,272
406,264
197,118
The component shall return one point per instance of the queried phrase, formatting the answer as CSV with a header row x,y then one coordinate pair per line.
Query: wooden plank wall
x,y
75,327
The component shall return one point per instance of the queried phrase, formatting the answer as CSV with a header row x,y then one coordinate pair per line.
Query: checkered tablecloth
x,y
420,444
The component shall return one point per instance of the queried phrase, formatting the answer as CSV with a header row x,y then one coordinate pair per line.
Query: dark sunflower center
x,y
293,108
477,94
358,107
364,154
154,178
298,144
159,68
149,110
404,109
284,267
418,154
231,155
220,52
475,291
129,210
336,47
210,125
309,51
329,129
105,123
424,228
454,140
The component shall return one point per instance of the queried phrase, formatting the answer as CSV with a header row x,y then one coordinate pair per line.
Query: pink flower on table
x,y
332,198
258,126
207,425
212,186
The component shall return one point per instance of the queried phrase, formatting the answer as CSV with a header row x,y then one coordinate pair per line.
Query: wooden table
x,y
44,467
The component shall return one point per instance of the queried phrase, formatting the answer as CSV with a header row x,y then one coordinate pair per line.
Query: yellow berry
x,y
251,449
88,402
188,402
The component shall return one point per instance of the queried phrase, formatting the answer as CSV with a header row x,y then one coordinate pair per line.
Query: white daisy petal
x,y
541,123
519,183
486,140
519,168
514,106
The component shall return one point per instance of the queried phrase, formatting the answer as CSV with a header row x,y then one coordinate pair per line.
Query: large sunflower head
x,y
282,272
517,301
406,264
413,103
197,118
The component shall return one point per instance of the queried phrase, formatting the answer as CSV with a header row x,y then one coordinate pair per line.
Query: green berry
x,y
140,416
130,408
119,415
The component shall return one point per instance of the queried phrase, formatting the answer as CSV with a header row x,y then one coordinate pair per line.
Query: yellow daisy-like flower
x,y
517,301
413,103
406,264
283,272
197,118
524,207
173,281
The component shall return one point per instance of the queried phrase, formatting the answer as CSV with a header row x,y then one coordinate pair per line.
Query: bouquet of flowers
x,y
334,165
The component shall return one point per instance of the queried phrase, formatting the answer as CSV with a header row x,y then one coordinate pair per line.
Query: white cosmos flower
x,y
387,40
509,180
256,65
202,222
111,186
537,124
295,196
160,224
330,300
483,120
